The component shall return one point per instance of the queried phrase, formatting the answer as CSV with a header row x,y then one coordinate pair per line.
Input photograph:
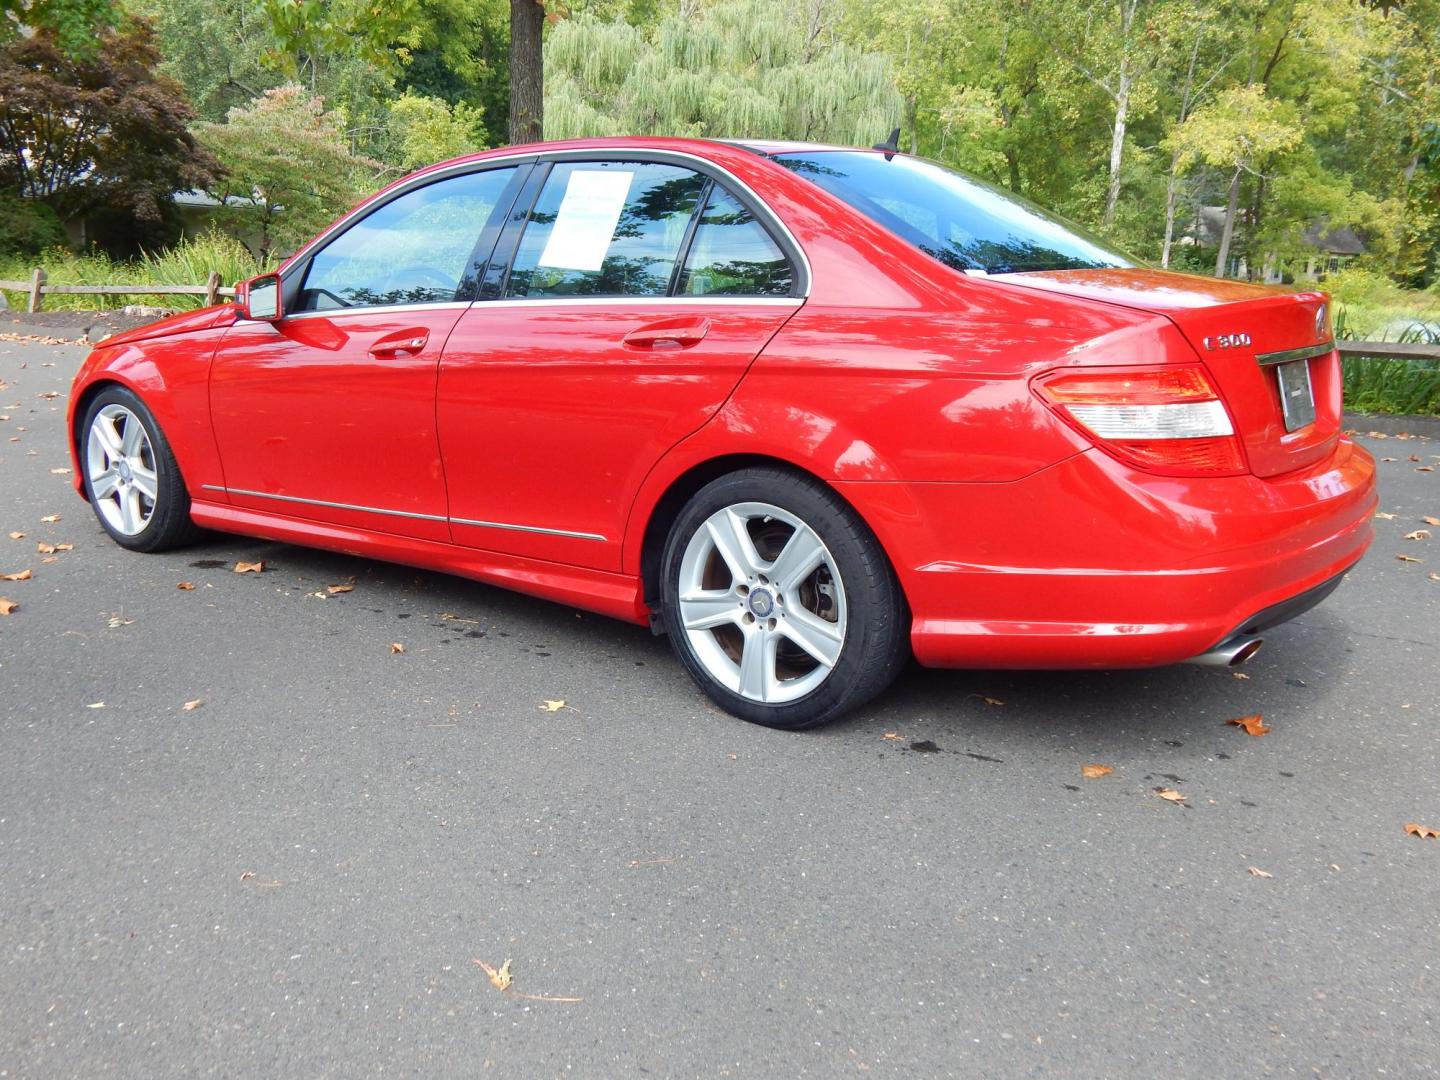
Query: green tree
x,y
424,130
75,26
290,170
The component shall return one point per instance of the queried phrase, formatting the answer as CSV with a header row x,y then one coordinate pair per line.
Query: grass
x,y
187,263
1375,385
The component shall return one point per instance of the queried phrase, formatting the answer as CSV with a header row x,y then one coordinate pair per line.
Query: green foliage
x,y
76,26
738,68
27,226
289,168
187,263
425,130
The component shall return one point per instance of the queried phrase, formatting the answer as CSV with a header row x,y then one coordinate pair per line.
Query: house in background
x,y
1331,249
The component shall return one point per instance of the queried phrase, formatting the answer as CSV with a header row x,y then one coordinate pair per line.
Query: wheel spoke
x,y
732,541
130,516
104,484
144,479
757,664
802,553
134,436
707,610
821,639
104,430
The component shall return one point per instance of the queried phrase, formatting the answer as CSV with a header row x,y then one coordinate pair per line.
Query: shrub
x,y
28,227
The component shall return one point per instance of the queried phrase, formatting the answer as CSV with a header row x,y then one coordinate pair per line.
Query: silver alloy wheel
x,y
762,603
120,463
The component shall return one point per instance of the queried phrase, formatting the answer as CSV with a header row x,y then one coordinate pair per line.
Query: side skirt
x,y
616,595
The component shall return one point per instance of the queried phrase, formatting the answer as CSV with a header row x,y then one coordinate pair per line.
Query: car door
x,y
638,293
329,414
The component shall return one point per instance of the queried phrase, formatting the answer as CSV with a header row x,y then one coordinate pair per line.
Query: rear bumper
x,y
1090,564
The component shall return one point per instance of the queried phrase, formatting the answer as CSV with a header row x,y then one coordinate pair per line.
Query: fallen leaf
x,y
335,590
50,519
21,536
1094,772
49,549
1239,675
1433,576
51,395
1258,872
1389,459
1418,534
1169,794
893,736
1407,558
249,568
1430,520
1416,457
1384,517
556,706
500,979
191,706
59,472
1253,725
1424,468
1411,829
187,586
396,647
8,606
96,705
247,875
19,575
117,621
992,701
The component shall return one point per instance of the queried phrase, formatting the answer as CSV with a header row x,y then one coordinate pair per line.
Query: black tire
x,y
168,524
874,641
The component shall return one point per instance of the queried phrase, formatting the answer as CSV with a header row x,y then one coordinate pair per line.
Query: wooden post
x,y
212,288
37,282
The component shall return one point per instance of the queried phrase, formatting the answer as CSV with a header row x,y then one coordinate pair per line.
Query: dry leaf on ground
x,y
96,705
1418,534
1384,517
500,979
59,472
1169,794
556,705
8,606
187,586
1430,520
1411,829
19,575
336,590
1239,675
396,647
1253,725
49,549
1407,558
1258,872
1094,772
249,567
21,536
50,519
893,736
191,706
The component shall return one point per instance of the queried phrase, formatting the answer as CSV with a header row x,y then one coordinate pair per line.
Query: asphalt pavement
x,y
297,876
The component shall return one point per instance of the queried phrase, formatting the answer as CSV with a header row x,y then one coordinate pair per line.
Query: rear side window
x,y
416,249
731,254
611,228
965,223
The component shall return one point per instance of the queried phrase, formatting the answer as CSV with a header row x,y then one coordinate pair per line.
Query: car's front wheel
x,y
131,477
779,600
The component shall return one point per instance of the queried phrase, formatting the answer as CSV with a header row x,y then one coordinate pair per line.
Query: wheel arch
x,y
81,406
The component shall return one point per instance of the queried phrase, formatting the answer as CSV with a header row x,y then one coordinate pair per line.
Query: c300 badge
x,y
1227,341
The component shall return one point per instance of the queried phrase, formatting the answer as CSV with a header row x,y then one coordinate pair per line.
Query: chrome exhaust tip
x,y
1232,652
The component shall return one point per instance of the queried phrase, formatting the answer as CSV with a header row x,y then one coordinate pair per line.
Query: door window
x,y
611,228
416,249
732,254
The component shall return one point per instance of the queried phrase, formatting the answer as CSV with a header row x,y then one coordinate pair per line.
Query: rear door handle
x,y
403,343
674,334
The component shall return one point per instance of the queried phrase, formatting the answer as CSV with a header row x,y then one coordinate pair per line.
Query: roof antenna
x,y
891,146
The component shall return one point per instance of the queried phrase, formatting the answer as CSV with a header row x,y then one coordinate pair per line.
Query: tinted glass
x,y
416,249
732,254
965,223
605,229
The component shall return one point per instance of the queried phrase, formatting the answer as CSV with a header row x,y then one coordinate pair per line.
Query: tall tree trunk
x,y
1223,255
527,73
1117,145
1172,195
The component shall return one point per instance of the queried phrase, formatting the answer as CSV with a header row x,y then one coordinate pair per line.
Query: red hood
x,y
184,323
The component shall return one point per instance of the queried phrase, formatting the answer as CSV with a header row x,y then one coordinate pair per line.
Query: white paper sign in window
x,y
586,219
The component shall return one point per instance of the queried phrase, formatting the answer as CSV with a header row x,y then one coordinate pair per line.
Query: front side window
x,y
416,249
605,228
963,222
731,254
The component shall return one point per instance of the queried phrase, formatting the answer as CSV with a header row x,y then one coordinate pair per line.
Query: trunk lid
x,y
1244,335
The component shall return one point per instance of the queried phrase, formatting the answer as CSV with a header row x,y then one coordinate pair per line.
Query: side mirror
x,y
260,298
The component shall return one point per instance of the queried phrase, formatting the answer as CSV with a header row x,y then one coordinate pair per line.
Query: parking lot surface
x,y
296,876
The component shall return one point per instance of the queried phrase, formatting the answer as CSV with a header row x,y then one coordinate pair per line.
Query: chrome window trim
x,y
382,309
405,513
1309,352
606,153
562,301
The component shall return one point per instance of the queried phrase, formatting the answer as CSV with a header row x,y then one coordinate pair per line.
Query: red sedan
x,y
805,409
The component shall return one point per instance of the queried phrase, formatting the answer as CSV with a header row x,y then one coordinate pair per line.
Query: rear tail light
x,y
1167,420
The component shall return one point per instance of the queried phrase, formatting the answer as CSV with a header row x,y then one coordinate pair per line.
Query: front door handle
x,y
403,343
672,334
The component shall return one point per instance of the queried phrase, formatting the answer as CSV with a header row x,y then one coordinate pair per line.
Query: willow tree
x,y
741,68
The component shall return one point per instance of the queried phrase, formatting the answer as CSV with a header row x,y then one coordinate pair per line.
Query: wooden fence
x,y
36,290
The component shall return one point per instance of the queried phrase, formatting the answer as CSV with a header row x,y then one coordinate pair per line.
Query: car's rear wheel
x,y
131,477
779,601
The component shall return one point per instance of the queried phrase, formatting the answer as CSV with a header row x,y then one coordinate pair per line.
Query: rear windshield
x,y
965,223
